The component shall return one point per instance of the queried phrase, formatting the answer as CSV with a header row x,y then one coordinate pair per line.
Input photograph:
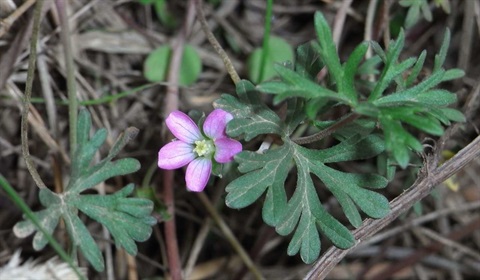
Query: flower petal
x,y
226,148
183,127
215,123
175,155
198,173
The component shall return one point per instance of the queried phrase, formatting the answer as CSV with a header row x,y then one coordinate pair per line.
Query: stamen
x,y
204,147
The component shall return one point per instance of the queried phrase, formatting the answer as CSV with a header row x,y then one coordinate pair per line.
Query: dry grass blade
x,y
7,22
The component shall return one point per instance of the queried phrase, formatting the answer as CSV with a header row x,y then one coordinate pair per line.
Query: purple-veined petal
x,y
215,124
226,148
175,155
198,173
183,127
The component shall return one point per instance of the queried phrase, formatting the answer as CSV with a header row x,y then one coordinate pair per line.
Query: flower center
x,y
204,147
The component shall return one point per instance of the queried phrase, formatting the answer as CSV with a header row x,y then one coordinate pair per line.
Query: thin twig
x,y
71,85
340,21
368,35
6,23
197,246
417,222
467,32
426,181
418,255
215,44
227,232
459,248
47,94
28,94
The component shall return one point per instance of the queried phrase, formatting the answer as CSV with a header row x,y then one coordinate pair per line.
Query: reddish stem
x,y
171,104
170,227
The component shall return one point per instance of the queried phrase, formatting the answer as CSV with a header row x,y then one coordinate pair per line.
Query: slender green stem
x,y
30,215
71,85
266,39
28,94
327,131
105,99
215,44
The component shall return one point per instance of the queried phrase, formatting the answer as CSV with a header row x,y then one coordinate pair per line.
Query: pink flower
x,y
197,149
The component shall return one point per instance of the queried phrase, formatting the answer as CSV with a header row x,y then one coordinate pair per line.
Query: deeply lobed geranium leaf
x,y
252,120
308,62
303,214
128,219
388,101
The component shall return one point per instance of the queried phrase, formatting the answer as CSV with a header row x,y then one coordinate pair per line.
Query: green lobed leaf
x,y
424,122
369,66
82,238
354,148
84,124
427,14
350,69
416,69
420,106
316,106
348,207
263,170
308,62
398,140
164,14
108,170
413,15
372,203
273,87
128,135
86,152
453,74
327,48
249,120
48,219
442,54
298,86
128,219
378,51
389,75
392,69
452,114
361,127
295,115
266,173
336,232
436,97
412,94
306,240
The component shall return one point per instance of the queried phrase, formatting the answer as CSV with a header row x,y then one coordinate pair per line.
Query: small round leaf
x,y
156,65
278,51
